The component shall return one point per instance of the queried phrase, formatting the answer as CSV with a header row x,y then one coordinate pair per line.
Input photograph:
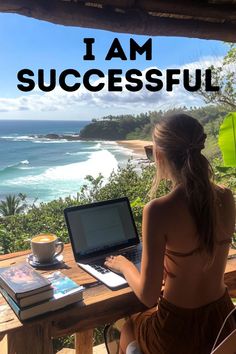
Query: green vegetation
x,y
113,127
223,76
18,228
140,127
13,205
227,140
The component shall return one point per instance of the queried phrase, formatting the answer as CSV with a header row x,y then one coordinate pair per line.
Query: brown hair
x,y
181,139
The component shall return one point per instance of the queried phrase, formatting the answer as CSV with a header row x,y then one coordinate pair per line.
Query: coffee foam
x,y
44,238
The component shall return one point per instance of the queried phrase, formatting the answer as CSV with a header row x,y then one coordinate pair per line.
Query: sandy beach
x,y
137,146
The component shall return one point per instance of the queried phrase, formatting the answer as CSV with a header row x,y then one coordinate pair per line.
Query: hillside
x,y
128,127
114,127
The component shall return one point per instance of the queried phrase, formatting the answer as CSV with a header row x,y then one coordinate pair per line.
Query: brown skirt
x,y
176,330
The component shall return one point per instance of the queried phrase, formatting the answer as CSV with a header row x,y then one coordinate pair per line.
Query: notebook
x,y
101,229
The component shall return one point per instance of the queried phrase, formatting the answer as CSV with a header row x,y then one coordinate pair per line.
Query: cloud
x,y
59,100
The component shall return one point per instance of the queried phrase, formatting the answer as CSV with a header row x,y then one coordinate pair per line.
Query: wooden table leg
x,y
30,340
3,345
84,342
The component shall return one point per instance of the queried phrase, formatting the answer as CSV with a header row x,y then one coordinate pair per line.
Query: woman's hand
x,y
117,263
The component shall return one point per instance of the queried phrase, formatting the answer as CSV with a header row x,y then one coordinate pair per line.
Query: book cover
x,y
65,292
22,280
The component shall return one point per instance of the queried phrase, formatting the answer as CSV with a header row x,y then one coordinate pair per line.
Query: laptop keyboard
x,y
132,255
99,268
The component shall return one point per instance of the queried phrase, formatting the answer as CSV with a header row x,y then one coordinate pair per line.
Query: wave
x,y
50,141
22,165
110,142
119,149
38,139
77,153
18,138
98,162
95,147
24,162
18,164
101,144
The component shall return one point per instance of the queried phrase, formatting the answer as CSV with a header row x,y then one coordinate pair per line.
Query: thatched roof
x,y
210,19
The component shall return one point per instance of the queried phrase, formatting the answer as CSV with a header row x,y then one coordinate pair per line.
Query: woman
x,y
186,238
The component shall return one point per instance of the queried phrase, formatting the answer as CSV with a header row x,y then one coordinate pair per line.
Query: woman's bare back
x,y
189,281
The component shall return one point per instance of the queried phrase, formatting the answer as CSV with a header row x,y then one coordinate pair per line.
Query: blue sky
x,y
33,44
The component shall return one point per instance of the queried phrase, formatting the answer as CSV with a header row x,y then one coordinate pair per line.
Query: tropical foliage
x,y
16,230
113,127
140,126
224,76
227,140
13,205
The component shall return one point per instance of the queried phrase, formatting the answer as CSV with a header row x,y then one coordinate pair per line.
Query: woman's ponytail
x,y
196,175
181,138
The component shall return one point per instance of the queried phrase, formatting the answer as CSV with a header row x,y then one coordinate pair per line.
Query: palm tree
x,y
13,204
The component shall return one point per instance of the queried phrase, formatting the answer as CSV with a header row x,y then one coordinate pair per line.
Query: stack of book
x,y
30,294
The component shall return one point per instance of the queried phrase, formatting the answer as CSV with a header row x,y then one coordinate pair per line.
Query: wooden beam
x,y
191,8
132,21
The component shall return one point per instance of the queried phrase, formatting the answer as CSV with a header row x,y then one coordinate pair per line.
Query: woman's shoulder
x,y
166,202
157,213
222,188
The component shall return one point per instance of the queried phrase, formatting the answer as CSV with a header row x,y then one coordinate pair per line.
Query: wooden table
x,y
100,306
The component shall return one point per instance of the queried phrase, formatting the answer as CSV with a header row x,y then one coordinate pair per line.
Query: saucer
x,y
32,260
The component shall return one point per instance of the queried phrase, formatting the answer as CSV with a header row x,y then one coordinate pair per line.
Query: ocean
x,y
46,169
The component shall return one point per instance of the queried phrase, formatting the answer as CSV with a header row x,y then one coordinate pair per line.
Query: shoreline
x,y
136,146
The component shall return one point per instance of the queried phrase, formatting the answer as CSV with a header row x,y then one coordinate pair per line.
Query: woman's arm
x,y
147,283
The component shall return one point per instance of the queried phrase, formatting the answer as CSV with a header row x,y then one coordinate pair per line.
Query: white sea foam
x,y
18,164
24,162
95,147
102,144
99,162
18,138
24,138
77,153
38,140
50,141
109,142
123,150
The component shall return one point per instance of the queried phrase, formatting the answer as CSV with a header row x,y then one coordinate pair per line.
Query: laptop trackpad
x,y
111,279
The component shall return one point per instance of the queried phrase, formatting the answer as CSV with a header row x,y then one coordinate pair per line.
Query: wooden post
x,y
3,345
30,340
84,342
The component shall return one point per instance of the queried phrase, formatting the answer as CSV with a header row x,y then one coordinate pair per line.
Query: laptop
x,y
101,229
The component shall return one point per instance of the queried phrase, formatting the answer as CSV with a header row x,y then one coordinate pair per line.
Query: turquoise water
x,y
48,169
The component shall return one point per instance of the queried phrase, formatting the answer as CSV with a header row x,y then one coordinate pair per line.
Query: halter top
x,y
196,250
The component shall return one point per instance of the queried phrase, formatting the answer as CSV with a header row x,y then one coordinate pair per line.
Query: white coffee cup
x,y
45,247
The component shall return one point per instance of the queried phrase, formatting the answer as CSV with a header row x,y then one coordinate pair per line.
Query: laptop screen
x,y
99,227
